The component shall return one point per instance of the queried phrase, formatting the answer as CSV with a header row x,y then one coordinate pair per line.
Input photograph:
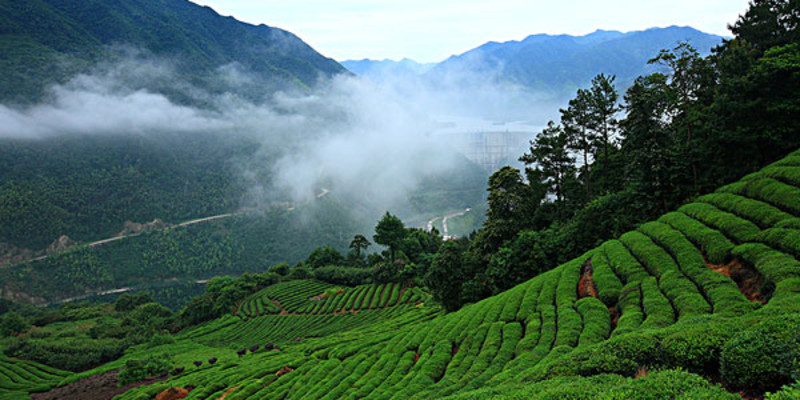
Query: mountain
x,y
559,64
384,68
47,41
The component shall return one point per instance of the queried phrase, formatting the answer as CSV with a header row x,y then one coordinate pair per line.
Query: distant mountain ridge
x,y
369,67
559,64
555,64
42,41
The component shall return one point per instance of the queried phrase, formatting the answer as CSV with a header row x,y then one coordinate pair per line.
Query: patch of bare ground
x,y
586,286
98,387
615,314
283,310
747,278
227,393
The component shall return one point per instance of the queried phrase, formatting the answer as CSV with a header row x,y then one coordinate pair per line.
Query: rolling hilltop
x,y
47,41
703,296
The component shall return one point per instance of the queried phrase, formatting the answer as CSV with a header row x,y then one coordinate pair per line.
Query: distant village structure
x,y
490,145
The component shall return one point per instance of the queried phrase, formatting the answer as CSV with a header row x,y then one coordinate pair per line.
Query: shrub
x,y
667,385
697,347
712,242
127,301
629,306
596,321
772,264
608,285
281,269
765,356
786,240
791,392
657,308
769,190
623,262
763,214
732,226
137,370
12,323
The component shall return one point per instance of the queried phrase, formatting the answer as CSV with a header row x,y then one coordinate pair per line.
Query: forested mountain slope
x,y
707,294
45,41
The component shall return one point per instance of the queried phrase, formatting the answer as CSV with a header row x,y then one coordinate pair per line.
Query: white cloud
x,y
431,31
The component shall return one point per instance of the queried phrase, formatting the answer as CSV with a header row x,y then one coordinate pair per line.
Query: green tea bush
x,y
657,308
569,326
137,370
629,306
772,191
758,212
621,261
512,299
785,240
712,242
764,356
596,321
567,291
793,223
609,287
732,226
772,264
697,346
531,338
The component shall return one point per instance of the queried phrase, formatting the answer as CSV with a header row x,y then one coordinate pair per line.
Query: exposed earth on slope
x,y
98,387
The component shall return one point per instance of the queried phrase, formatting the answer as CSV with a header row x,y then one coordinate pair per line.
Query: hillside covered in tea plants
x,y
703,302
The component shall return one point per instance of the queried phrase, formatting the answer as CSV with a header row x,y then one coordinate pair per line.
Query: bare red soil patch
x,y
615,314
586,286
227,392
747,278
173,393
97,387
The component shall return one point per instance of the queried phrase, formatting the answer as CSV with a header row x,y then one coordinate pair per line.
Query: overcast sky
x,y
432,30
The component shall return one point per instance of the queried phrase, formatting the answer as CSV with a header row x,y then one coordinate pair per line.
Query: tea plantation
x,y
702,303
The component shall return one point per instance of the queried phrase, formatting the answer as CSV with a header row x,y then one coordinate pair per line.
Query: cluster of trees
x,y
607,165
407,256
133,319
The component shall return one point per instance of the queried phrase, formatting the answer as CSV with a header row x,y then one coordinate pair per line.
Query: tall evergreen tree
x,y
577,122
390,232
603,111
549,153
688,76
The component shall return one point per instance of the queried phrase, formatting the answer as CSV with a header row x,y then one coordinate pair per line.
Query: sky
x,y
432,30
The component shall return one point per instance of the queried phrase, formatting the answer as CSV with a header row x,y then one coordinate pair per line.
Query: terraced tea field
x,y
704,295
672,294
314,297
18,377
